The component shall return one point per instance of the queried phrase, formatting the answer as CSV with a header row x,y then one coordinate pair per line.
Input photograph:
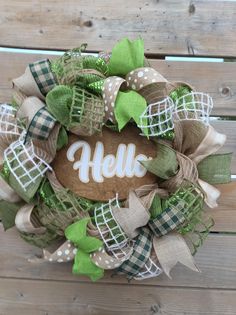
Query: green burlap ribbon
x,y
83,264
215,169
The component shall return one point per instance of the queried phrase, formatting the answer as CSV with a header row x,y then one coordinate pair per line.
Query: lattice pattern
x,y
109,229
86,113
193,106
24,164
123,253
189,200
159,116
150,270
8,122
60,208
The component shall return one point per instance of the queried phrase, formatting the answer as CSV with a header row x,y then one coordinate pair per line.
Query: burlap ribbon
x,y
64,253
196,143
37,80
171,249
148,82
135,214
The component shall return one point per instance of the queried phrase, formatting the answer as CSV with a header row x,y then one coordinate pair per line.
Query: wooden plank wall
x,y
199,28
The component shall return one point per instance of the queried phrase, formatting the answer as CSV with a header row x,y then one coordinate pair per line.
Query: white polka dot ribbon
x,y
66,252
110,90
137,80
142,77
105,261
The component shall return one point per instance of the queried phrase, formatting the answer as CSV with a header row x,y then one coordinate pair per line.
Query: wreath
x,y
158,224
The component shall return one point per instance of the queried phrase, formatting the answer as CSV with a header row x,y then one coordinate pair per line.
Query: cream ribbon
x,y
27,84
26,222
171,249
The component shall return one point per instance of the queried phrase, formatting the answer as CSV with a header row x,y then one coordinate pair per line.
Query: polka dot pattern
x,y
103,260
110,90
142,77
66,252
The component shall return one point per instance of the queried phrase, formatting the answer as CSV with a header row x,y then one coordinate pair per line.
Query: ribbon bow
x,y
83,264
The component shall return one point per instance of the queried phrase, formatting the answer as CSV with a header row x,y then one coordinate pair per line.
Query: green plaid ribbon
x,y
43,75
140,255
167,221
41,125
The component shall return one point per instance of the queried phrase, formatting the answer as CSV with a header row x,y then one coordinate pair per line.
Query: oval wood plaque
x,y
98,167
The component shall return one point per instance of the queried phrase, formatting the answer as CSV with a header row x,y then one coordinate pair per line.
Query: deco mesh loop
x,y
24,164
109,229
193,106
159,116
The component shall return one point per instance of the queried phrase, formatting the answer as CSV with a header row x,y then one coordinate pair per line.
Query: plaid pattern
x,y
140,255
43,75
41,125
167,221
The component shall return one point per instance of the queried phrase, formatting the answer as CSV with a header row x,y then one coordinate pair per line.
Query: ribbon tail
x,y
211,143
171,249
211,193
26,222
64,253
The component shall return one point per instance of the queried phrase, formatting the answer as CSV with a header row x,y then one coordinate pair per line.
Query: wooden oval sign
x,y
98,167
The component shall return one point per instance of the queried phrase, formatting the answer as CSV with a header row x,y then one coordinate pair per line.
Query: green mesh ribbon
x,y
180,209
40,240
197,224
179,92
59,209
73,69
76,108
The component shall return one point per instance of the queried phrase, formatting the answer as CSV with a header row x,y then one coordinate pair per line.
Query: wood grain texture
x,y
217,79
167,27
57,298
216,260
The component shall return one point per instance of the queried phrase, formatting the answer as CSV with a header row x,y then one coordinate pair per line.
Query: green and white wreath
x,y
159,224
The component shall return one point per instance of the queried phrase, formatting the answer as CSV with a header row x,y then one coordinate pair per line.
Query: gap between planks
x,y
49,297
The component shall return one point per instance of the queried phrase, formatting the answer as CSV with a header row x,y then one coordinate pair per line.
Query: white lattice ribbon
x,y
27,222
109,229
159,116
9,128
109,261
171,249
24,164
193,106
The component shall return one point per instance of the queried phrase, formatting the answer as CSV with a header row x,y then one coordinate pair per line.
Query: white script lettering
x,y
124,164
